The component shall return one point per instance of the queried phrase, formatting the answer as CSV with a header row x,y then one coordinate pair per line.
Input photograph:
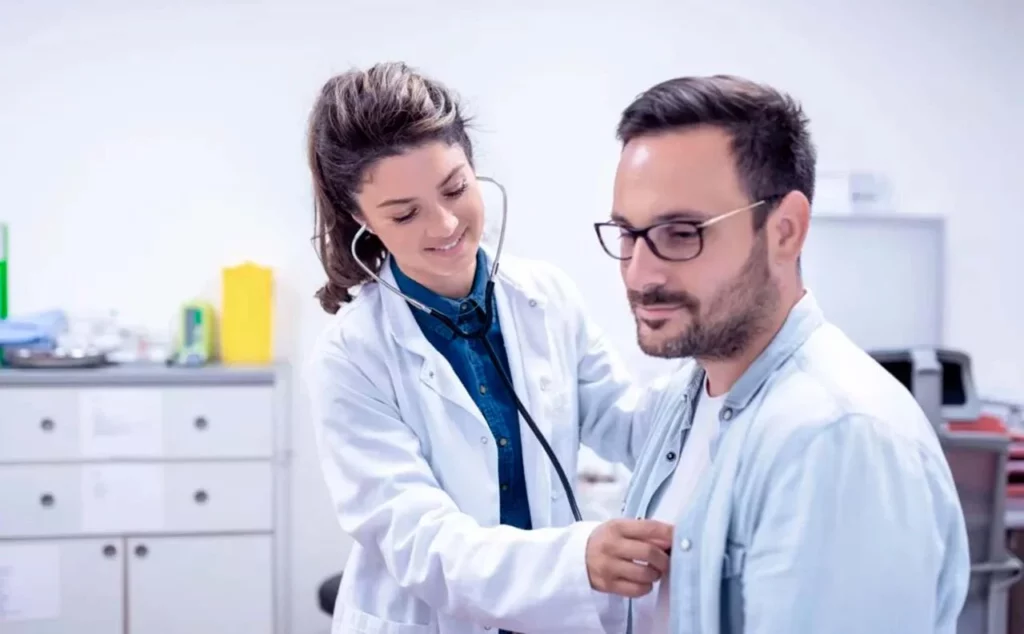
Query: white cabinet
x,y
89,576
231,591
154,500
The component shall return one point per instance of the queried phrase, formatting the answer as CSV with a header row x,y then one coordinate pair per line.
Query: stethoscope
x,y
486,315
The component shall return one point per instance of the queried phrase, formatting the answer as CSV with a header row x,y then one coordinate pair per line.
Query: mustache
x,y
660,295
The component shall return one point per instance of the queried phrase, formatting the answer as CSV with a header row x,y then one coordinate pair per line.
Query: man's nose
x,y
643,269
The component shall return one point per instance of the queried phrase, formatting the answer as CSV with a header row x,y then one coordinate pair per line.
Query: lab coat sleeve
x,y
859,531
387,499
615,412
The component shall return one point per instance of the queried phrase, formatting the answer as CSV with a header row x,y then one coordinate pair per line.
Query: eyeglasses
x,y
672,240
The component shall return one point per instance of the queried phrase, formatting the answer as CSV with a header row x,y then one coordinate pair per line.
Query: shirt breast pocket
x,y
732,588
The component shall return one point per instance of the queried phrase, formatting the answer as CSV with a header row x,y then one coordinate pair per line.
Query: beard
x,y
739,312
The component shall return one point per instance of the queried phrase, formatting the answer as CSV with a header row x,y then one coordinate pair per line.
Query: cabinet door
x,y
200,585
62,586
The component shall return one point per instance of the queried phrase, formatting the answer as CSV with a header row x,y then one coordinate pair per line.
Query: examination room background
x,y
144,145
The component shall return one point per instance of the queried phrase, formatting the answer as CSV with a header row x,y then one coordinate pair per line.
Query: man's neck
x,y
722,374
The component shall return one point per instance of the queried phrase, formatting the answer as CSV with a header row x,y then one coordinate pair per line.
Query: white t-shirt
x,y
651,614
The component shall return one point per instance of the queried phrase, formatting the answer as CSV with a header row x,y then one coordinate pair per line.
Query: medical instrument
x,y
196,328
486,314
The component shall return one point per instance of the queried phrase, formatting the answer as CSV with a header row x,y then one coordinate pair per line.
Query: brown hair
x,y
361,117
771,140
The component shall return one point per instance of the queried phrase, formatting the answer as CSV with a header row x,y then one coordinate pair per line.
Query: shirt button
x,y
727,413
670,456
503,441
685,544
465,306
483,389
504,487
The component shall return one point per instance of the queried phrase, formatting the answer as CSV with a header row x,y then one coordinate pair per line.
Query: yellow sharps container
x,y
247,307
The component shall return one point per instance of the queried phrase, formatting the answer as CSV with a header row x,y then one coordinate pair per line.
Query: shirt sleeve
x,y
859,530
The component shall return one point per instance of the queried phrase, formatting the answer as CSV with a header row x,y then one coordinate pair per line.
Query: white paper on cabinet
x,y
29,582
121,422
122,498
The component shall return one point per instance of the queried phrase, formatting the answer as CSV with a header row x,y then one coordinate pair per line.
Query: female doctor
x,y
459,520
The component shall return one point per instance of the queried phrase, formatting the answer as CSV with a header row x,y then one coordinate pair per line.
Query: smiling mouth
x,y
451,245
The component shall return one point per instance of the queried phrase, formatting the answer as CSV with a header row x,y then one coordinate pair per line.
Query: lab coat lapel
x,y
434,371
525,330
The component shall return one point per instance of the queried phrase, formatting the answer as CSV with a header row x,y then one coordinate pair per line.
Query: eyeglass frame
x,y
698,227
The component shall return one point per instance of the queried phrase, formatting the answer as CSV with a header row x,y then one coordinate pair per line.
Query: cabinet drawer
x,y
40,501
219,497
38,424
64,424
134,498
222,422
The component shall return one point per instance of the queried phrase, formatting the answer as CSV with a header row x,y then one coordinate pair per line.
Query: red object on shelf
x,y
994,425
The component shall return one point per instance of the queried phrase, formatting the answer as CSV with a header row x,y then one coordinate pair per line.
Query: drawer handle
x,y
109,550
141,550
46,424
46,499
201,423
201,497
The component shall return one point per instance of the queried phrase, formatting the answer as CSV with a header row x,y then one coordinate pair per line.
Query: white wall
x,y
181,126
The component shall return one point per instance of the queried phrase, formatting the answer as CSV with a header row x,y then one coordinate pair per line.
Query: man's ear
x,y
787,227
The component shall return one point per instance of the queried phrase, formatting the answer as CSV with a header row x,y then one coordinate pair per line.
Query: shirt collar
x,y
461,311
804,318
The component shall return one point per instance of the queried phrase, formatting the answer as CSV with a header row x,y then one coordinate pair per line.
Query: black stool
x,y
328,594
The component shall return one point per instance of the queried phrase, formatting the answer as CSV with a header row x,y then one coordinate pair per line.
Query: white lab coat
x,y
411,464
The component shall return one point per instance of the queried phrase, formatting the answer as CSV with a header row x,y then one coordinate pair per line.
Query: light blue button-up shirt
x,y
829,507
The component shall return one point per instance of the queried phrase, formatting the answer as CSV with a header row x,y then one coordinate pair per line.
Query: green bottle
x,y
3,271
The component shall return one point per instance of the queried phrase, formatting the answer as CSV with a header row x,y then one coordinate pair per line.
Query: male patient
x,y
808,490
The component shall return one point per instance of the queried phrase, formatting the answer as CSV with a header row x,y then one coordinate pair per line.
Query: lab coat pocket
x,y
350,620
732,588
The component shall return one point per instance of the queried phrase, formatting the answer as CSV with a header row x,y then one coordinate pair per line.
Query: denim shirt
x,y
828,507
471,363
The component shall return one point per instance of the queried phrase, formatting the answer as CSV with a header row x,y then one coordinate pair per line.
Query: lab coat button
x,y
670,456
483,440
533,303
685,544
545,383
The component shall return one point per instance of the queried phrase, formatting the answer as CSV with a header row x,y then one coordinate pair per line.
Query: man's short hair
x,y
771,142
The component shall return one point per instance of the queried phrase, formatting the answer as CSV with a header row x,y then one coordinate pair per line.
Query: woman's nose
x,y
444,224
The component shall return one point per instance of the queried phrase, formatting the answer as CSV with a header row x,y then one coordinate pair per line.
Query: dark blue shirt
x,y
469,359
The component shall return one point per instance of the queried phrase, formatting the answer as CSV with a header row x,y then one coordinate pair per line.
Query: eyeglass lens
x,y
672,241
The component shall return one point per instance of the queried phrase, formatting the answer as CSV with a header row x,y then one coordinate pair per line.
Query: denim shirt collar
x,y
804,318
461,311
